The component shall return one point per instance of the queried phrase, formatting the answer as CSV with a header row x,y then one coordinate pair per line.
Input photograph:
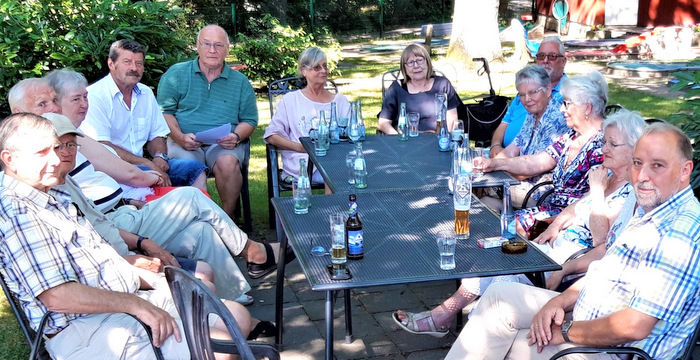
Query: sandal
x,y
410,324
256,271
263,328
245,300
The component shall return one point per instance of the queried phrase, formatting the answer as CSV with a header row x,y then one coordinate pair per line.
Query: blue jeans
x,y
182,172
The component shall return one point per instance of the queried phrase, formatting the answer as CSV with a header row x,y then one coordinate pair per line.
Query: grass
x,y
361,78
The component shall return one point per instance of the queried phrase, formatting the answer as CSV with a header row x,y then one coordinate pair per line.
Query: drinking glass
x,y
478,165
462,199
343,126
338,250
350,164
413,119
447,242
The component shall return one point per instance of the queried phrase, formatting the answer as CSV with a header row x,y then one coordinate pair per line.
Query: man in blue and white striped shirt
x,y
645,291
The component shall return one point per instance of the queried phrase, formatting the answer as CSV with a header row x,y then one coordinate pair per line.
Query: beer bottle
x,y
353,232
507,215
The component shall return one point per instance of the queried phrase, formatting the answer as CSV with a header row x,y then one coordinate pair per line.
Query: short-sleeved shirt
x,y
47,243
110,119
515,116
199,105
286,122
654,268
422,103
550,128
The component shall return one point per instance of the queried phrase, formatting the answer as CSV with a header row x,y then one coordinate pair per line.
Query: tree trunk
x,y
475,30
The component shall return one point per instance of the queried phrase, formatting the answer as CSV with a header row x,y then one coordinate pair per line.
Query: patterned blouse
x,y
570,181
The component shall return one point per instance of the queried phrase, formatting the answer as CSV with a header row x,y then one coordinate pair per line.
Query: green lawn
x,y
352,69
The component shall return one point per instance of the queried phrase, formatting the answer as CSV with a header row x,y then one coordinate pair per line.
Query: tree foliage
x,y
39,36
689,118
271,51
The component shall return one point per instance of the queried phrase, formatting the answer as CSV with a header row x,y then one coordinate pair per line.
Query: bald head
x,y
34,96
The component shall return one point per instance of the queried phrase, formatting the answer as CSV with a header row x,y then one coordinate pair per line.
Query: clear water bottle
x,y
324,134
302,190
403,123
360,119
507,214
443,133
333,125
360,167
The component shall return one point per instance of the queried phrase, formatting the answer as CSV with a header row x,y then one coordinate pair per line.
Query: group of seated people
x,y
86,238
83,239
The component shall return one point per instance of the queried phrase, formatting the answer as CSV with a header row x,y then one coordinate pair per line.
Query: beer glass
x,y
446,242
462,199
413,119
478,167
338,251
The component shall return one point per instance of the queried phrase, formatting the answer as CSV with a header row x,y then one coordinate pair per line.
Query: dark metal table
x,y
399,233
394,164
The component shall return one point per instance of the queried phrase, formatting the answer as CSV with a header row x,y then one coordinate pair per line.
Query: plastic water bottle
x,y
333,127
507,214
403,123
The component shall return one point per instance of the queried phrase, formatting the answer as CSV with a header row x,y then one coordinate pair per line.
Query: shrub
x,y
272,50
689,118
39,36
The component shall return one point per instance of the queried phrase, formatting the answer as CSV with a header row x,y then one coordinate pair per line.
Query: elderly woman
x,y
417,90
571,156
286,126
543,125
131,182
589,220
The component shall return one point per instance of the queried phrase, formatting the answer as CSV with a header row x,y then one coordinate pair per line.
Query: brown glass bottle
x,y
354,239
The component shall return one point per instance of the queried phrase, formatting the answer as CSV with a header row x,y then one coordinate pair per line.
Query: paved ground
x,y
376,336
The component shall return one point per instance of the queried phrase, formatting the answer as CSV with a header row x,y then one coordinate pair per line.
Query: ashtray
x,y
514,247
339,272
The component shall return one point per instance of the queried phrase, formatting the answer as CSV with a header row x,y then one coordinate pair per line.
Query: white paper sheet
x,y
210,136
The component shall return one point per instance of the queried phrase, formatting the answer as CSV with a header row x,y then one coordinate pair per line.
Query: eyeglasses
x,y
530,94
217,46
416,62
567,103
71,146
611,144
318,67
550,56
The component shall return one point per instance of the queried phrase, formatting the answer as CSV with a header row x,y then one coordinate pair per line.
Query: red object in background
x,y
239,67
526,17
162,190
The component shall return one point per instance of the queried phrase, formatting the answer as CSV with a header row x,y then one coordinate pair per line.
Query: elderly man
x,y
53,260
644,292
552,57
204,93
124,114
34,96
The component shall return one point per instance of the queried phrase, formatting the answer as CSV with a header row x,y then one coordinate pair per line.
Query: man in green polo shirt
x,y
205,93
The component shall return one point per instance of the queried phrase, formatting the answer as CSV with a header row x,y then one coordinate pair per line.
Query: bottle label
x,y
353,209
444,143
356,244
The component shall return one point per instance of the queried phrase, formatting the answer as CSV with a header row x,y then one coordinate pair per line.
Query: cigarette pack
x,y
491,242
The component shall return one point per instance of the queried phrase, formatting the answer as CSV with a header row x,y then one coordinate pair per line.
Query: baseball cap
x,y
62,124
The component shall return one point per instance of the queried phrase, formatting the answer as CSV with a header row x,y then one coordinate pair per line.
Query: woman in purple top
x,y
571,156
417,90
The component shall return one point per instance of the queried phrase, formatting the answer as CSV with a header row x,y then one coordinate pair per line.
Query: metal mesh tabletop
x,y
399,233
393,164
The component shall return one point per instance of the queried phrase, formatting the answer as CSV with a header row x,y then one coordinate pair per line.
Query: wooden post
x,y
428,36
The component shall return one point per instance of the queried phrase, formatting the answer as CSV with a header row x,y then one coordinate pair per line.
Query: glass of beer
x,y
338,253
462,199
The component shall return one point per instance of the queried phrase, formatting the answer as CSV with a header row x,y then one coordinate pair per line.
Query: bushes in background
x,y
38,36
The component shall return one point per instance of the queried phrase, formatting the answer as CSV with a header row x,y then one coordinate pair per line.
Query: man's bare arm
x,y
73,297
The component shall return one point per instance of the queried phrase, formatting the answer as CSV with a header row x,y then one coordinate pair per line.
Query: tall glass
x,y
478,165
462,200
338,250
413,119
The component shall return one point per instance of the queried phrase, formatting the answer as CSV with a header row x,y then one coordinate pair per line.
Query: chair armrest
x,y
532,191
259,349
603,350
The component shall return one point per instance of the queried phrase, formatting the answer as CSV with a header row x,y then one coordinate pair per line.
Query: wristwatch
x,y
162,156
565,330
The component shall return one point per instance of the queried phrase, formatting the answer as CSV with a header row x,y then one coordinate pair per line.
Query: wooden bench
x,y
429,30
